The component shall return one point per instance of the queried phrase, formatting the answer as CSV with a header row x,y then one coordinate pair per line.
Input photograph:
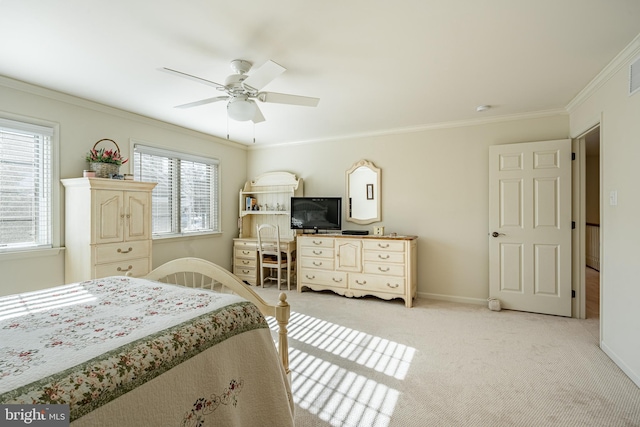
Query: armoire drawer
x,y
116,252
133,267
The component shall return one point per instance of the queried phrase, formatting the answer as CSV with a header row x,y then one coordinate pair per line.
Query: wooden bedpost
x,y
283,312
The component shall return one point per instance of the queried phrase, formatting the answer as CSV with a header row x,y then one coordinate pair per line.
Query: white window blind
x,y
186,197
25,186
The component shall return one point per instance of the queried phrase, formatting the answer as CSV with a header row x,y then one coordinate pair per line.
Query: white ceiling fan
x,y
242,90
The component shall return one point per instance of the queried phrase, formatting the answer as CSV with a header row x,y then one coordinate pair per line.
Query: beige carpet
x,y
369,362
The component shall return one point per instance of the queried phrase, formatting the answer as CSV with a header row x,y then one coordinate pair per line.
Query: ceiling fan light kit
x,y
242,89
241,109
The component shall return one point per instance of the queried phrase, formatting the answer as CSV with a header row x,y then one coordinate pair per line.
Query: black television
x,y
316,213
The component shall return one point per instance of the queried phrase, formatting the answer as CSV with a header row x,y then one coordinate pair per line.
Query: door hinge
x,y
573,293
573,156
573,225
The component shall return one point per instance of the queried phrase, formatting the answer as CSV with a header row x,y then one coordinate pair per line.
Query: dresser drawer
x,y
246,274
321,263
250,245
245,262
319,252
394,285
334,279
135,267
120,252
245,253
384,269
384,256
383,245
316,242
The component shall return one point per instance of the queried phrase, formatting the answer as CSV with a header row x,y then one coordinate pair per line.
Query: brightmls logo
x,y
34,415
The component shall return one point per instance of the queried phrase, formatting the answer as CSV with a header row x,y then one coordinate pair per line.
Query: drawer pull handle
x,y
318,242
245,262
364,282
317,252
317,263
383,256
309,277
380,245
246,252
245,271
384,270
128,269
392,286
336,280
124,252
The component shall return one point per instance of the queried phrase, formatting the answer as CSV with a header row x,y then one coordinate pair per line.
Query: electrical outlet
x,y
378,231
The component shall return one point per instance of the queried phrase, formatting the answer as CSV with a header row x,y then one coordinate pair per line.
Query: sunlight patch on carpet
x,y
328,387
339,396
382,355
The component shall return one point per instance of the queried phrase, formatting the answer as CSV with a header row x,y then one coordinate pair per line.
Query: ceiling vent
x,y
634,77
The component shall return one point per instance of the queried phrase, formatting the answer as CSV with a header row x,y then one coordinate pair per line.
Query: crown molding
x,y
622,59
422,128
102,108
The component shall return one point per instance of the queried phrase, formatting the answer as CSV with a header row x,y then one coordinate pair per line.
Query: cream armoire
x,y
107,228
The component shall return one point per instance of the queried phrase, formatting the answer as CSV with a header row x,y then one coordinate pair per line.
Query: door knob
x,y
496,234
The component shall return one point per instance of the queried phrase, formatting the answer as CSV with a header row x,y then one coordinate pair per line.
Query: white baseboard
x,y
450,298
625,368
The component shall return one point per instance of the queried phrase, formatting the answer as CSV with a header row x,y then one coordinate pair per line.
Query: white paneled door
x,y
530,226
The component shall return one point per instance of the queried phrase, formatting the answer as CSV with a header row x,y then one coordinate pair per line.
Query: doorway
x,y
592,223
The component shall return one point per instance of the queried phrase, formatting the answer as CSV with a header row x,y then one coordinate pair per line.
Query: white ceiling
x,y
377,66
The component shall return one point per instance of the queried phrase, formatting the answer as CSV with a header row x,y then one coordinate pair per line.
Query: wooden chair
x,y
271,257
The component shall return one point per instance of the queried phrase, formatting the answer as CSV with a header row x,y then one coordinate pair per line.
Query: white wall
x,y
620,154
434,185
81,124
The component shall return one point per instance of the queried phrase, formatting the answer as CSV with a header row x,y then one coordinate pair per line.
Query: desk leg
x,y
288,270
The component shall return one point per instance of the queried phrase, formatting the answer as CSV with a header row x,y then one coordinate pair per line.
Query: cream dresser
x,y
107,228
355,266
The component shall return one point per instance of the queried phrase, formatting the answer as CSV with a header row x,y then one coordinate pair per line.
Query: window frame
x,y
175,191
23,123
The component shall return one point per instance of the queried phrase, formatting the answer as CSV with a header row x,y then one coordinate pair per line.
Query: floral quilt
x,y
87,343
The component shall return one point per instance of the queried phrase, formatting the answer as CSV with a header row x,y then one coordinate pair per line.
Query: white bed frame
x,y
199,273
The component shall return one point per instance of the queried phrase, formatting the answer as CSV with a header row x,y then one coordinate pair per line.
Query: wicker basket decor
x,y
105,169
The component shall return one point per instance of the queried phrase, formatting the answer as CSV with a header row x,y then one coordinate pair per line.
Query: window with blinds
x,y
25,186
185,200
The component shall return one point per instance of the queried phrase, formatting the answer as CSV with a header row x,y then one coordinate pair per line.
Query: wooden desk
x,y
245,259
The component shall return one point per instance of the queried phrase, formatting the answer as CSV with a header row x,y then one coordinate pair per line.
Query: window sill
x,y
187,236
34,253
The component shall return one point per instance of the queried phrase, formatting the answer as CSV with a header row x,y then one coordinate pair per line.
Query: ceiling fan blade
x,y
283,98
258,117
263,75
202,102
192,78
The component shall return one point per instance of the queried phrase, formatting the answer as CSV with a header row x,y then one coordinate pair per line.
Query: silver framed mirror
x,y
363,193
